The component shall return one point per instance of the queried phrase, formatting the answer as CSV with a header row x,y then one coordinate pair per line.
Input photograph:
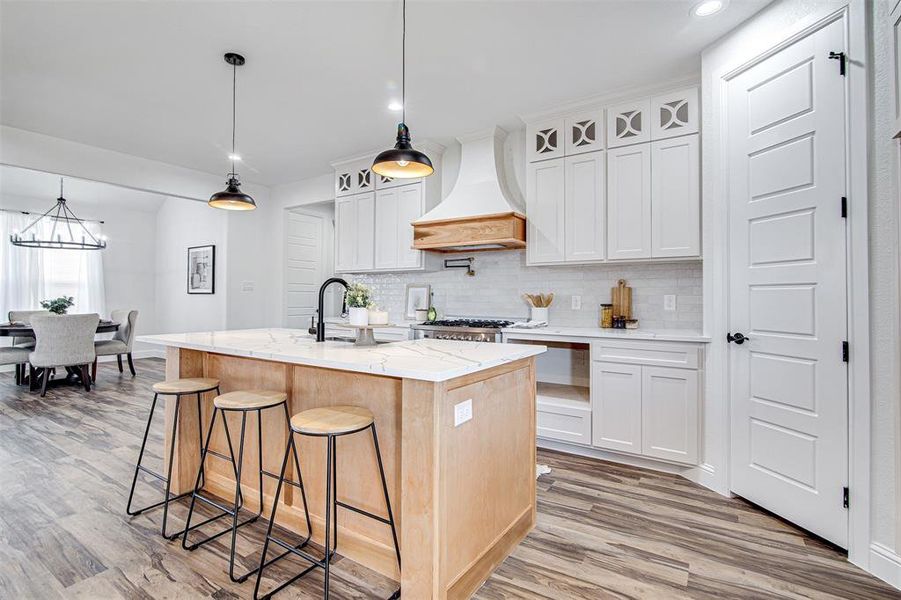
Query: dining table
x,y
24,330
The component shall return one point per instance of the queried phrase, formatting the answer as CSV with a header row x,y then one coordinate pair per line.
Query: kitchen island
x,y
463,495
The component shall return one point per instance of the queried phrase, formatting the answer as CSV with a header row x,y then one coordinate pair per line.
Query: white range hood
x,y
479,213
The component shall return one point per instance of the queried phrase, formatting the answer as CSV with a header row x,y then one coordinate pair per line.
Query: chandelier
x,y
58,228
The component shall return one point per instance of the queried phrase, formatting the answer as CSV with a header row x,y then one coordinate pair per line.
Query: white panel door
x,y
669,414
365,231
584,214
345,233
616,406
786,162
629,202
410,206
304,267
386,220
545,211
675,198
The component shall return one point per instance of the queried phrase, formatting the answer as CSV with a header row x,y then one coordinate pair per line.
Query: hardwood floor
x,y
604,530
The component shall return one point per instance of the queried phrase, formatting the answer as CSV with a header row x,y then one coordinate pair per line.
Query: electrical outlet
x,y
669,302
577,303
462,412
247,286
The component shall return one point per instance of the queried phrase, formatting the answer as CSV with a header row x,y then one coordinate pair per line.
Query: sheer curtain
x,y
29,275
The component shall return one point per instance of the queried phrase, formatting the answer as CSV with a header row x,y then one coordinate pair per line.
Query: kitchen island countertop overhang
x,y
441,471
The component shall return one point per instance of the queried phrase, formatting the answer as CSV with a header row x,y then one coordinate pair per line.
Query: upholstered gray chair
x,y
24,316
122,341
15,356
63,341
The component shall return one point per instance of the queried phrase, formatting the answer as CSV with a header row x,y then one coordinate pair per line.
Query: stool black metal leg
x,y
171,461
334,441
134,480
378,455
329,510
231,555
303,490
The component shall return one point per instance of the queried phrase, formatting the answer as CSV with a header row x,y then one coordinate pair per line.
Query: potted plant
x,y
58,306
359,298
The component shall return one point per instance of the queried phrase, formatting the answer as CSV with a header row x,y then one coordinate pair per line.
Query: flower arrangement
x,y
358,296
58,306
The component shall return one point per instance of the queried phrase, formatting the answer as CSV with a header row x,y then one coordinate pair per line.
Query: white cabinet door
x,y
386,220
584,133
364,178
629,202
545,209
545,140
674,114
344,178
364,231
584,216
669,414
675,198
410,206
628,123
616,406
345,233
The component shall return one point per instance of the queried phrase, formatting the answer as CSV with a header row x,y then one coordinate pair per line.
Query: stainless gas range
x,y
470,330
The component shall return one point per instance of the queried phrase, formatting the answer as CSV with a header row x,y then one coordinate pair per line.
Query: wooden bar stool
x,y
331,423
177,388
241,401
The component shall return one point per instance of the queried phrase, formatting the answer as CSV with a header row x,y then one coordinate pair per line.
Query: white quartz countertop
x,y
427,360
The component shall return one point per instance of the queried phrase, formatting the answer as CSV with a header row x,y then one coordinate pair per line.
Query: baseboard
x,y
625,459
885,564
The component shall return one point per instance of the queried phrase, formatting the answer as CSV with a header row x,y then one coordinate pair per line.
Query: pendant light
x,y
403,161
232,198
62,222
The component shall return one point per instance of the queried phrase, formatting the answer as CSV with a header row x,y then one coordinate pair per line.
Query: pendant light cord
x,y
234,102
403,67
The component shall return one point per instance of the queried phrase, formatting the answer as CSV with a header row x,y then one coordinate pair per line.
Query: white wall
x,y
181,224
771,26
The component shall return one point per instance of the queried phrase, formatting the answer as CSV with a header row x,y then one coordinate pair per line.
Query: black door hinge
x,y
845,502
841,58
844,207
845,352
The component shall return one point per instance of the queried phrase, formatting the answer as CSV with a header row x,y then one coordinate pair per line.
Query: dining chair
x,y
24,316
63,341
11,355
122,341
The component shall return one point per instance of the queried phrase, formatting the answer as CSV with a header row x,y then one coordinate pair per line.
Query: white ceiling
x,y
147,78
16,184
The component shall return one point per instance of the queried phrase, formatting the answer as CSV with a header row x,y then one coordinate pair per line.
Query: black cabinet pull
x,y
739,338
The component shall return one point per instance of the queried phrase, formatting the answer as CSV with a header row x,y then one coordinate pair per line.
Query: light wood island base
x,y
463,496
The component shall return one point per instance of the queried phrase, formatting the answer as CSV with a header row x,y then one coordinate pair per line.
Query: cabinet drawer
x,y
662,354
562,422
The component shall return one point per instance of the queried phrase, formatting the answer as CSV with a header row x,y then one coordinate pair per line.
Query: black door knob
x,y
739,338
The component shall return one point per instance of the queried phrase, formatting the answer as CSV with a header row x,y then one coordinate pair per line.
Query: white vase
x,y
358,316
539,313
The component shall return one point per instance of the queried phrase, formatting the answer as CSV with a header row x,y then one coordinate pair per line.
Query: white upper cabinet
x,y
365,208
354,178
344,178
584,133
545,210
345,233
675,198
584,213
545,140
629,202
395,210
674,114
628,123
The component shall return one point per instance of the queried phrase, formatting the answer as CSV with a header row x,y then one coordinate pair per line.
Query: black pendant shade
x,y
402,161
232,198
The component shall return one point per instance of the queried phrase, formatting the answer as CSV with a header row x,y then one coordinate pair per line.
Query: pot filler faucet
x,y
320,325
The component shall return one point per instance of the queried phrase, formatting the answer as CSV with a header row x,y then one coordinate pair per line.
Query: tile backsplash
x,y
502,278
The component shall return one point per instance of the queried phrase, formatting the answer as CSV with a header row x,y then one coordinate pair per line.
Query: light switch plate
x,y
462,412
247,286
669,302
577,303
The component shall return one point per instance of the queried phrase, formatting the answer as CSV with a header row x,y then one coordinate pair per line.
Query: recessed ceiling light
x,y
395,106
707,8
234,157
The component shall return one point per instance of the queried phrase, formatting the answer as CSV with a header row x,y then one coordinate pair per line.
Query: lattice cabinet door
x,y
344,181
584,133
674,114
544,140
363,178
628,123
